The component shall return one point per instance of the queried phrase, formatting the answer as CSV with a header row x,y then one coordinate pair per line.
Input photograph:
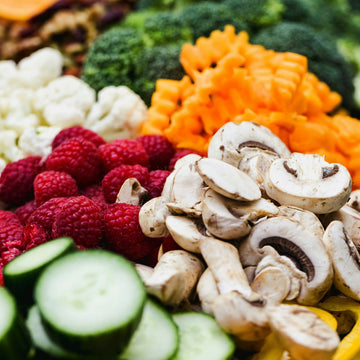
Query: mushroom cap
x,y
228,141
308,182
302,332
227,180
345,259
293,240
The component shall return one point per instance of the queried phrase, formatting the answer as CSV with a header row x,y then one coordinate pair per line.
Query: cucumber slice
x,y
15,341
44,343
21,273
201,338
91,301
156,337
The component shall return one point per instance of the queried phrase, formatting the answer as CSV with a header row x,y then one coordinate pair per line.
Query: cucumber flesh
x,y
91,301
15,341
201,338
156,337
21,273
44,343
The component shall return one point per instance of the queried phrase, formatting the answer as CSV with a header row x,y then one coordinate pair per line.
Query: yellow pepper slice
x,y
349,347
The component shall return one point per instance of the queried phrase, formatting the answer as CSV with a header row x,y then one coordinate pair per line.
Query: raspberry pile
x,y
73,192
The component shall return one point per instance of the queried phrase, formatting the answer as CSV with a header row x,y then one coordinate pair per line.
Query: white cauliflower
x,y
118,113
9,150
65,101
37,141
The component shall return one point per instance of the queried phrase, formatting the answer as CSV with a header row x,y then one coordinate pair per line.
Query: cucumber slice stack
x,y
15,342
91,301
21,273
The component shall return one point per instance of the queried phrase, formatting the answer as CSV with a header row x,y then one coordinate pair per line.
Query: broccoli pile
x,y
146,46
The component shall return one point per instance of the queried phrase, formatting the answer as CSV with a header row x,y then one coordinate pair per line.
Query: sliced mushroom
x,y
309,182
186,160
174,277
354,200
229,219
187,232
345,259
302,333
144,271
231,138
207,290
293,240
187,190
131,192
227,180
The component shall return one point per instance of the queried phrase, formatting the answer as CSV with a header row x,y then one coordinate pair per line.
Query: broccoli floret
x,y
256,13
324,59
207,16
158,62
161,5
112,57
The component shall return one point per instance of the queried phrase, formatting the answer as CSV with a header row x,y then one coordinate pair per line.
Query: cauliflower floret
x,y
8,148
37,141
118,113
65,101
40,67
9,77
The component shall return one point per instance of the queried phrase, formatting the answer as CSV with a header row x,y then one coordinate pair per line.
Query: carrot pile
x,y
229,79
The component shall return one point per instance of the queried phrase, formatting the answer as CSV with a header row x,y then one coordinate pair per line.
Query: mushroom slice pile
x,y
227,180
302,333
291,239
231,138
345,259
230,219
308,182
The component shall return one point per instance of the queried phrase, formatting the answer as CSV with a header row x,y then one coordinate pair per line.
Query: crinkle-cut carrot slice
x,y
23,10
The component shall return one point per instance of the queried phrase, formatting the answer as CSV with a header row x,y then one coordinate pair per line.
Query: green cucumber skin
x,y
22,286
107,344
16,343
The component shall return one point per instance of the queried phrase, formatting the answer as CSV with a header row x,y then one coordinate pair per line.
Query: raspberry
x,y
9,217
81,219
33,235
178,155
156,182
76,131
122,152
113,180
96,194
79,158
50,184
10,234
23,212
159,149
123,233
16,180
9,254
45,214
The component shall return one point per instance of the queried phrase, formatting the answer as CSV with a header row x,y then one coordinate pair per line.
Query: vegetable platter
x,y
191,194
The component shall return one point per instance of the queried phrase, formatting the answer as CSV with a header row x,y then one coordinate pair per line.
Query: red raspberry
x,y
10,254
122,152
156,182
9,217
76,131
10,234
123,233
33,235
45,214
81,219
16,180
178,155
23,212
96,194
50,184
114,179
79,158
159,149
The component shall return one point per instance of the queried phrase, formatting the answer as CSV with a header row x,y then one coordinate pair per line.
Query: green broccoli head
x,y
324,59
161,5
207,16
112,57
158,62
